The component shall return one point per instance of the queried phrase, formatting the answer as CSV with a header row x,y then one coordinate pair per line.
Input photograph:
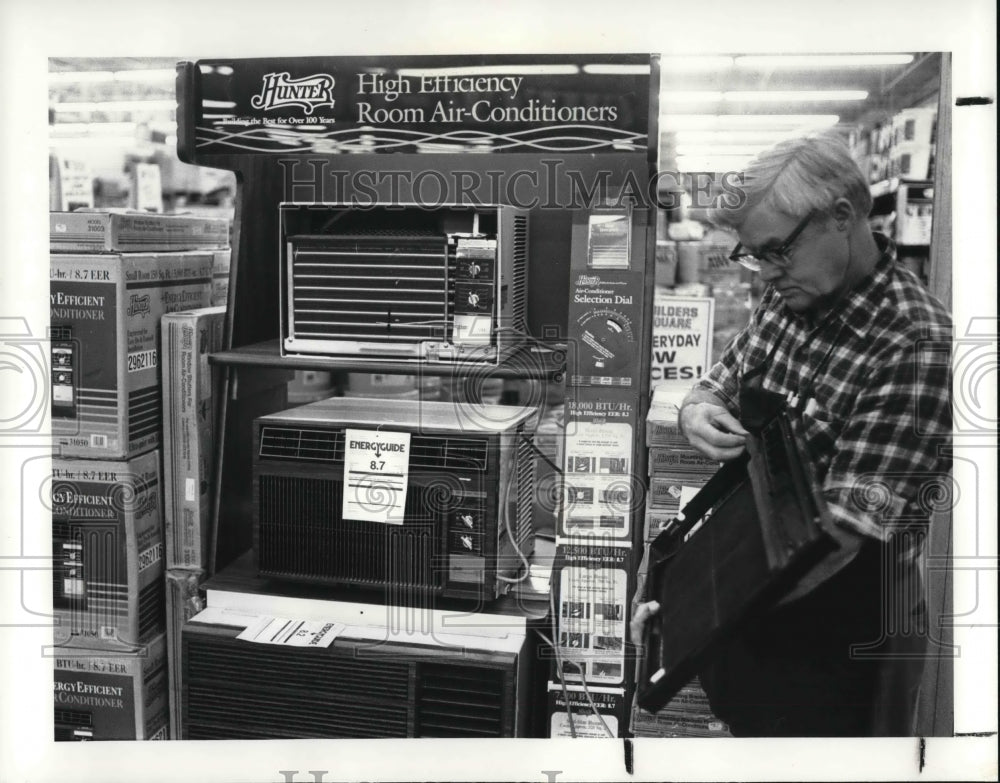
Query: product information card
x,y
376,471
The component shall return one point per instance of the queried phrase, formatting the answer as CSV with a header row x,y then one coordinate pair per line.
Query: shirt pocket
x,y
822,429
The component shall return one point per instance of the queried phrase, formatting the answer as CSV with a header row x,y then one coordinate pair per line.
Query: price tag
x,y
291,633
376,475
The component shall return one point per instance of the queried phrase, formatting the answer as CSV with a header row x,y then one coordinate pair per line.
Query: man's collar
x,y
860,305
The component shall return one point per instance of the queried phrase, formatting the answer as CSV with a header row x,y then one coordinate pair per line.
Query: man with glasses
x,y
841,340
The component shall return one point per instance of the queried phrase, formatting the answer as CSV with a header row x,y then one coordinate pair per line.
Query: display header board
x,y
546,104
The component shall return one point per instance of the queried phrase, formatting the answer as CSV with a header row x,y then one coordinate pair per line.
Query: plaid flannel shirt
x,y
873,385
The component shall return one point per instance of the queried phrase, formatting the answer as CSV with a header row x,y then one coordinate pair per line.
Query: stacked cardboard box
x,y
676,469
688,714
190,393
676,472
113,275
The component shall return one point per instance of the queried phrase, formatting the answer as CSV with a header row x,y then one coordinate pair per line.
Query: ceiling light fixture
x,y
741,121
690,96
146,75
793,96
79,77
611,69
694,63
821,60
494,70
112,106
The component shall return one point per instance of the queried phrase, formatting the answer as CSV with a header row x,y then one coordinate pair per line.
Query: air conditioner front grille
x,y
375,287
301,535
237,690
456,701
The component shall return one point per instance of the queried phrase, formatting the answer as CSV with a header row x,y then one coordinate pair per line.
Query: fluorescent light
x,y
740,121
694,63
734,136
494,70
79,77
116,106
791,96
705,150
820,60
146,75
617,69
76,129
690,96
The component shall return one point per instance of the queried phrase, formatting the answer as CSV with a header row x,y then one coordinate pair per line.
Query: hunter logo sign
x,y
309,92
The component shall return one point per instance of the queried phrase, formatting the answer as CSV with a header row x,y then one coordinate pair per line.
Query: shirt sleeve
x,y
722,379
891,464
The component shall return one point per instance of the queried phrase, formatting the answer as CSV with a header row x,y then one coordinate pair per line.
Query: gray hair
x,y
799,175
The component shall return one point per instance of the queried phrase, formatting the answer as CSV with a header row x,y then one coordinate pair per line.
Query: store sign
x,y
515,103
682,338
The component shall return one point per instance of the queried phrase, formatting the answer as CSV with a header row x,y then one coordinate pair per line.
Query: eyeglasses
x,y
777,256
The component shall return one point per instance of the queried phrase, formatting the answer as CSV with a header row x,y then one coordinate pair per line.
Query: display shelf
x,y
528,363
241,578
886,187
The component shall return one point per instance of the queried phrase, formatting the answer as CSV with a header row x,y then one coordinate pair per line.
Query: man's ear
x,y
843,213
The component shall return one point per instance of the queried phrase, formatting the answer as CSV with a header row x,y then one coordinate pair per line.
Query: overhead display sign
x,y
496,104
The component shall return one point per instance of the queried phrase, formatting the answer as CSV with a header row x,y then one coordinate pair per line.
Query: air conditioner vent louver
x,y
374,689
379,287
457,701
525,492
426,451
520,260
297,443
256,698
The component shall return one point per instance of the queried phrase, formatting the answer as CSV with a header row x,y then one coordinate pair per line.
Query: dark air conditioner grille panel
x,y
303,536
370,287
237,689
457,701
240,690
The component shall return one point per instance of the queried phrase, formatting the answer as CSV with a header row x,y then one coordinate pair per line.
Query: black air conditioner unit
x,y
355,688
466,522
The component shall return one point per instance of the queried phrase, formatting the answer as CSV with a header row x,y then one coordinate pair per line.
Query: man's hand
x,y
713,430
641,615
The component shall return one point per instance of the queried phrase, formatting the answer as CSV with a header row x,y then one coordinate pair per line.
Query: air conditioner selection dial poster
x,y
605,311
586,103
592,611
602,493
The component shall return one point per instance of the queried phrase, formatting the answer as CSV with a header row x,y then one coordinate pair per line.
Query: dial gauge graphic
x,y
608,341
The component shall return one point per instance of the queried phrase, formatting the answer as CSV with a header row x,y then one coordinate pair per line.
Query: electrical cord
x,y
559,667
510,535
